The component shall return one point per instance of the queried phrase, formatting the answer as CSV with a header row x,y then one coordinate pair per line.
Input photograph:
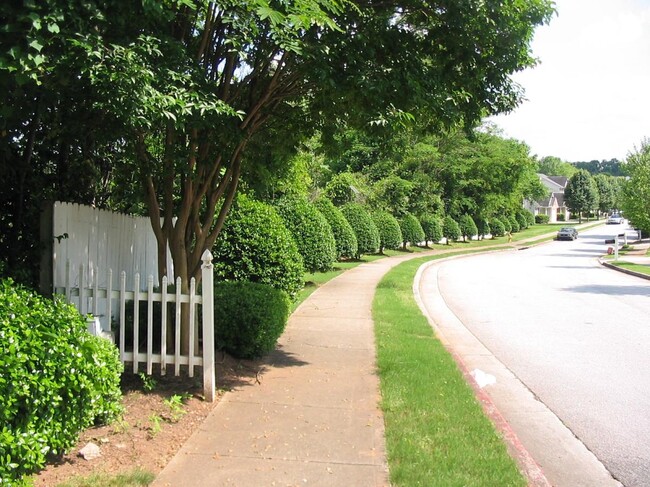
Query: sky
x,y
589,97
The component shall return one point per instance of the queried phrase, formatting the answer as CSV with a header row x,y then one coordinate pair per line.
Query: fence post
x,y
207,300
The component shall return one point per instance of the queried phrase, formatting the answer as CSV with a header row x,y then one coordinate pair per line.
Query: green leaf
x,y
34,44
53,28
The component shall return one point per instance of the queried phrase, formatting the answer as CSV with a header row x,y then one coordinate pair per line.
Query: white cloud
x,y
590,96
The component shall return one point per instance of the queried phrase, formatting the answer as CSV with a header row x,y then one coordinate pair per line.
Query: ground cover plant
x,y
55,380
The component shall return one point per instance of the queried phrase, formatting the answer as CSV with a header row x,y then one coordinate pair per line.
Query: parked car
x,y
567,233
615,219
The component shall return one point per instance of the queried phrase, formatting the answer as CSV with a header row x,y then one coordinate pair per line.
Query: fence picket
x,y
88,289
163,331
136,321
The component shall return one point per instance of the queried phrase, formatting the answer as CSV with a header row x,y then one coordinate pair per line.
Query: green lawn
x,y
640,268
436,432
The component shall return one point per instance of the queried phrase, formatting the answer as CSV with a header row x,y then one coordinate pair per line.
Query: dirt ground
x,y
154,426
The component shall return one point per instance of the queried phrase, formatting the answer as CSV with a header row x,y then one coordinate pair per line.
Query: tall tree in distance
x,y
581,193
636,190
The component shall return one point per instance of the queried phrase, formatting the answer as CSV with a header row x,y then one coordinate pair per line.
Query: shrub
x,y
340,189
311,232
521,219
541,219
364,228
432,227
55,379
482,227
507,224
390,234
344,237
497,227
530,218
514,226
450,229
249,317
467,226
412,231
254,245
561,217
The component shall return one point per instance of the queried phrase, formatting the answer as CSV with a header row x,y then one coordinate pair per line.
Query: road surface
x,y
575,333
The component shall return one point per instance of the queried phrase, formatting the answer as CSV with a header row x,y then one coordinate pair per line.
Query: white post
x,y
616,248
207,299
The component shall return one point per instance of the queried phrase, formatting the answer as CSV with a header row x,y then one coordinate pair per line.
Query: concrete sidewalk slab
x,y
314,419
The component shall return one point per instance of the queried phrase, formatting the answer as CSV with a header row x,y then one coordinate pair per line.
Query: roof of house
x,y
561,180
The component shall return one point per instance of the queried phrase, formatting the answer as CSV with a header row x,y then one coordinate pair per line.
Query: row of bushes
x,y
55,380
263,251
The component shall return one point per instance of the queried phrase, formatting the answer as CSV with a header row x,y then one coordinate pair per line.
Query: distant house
x,y
553,204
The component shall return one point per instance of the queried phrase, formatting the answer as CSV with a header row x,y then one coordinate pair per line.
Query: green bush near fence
x,y
249,317
55,380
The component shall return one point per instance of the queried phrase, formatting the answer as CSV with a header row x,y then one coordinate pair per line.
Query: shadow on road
x,y
611,290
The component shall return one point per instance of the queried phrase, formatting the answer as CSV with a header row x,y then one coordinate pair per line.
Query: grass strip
x,y
133,478
639,268
436,432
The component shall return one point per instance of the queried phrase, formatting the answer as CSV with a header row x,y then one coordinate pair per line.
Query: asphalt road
x,y
574,332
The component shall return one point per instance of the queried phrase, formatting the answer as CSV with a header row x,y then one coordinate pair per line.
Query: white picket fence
x,y
86,294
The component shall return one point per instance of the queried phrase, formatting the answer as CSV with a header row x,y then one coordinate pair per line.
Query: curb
x,y
528,466
603,262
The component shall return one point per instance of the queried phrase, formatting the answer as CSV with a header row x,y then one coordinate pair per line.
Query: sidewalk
x,y
315,418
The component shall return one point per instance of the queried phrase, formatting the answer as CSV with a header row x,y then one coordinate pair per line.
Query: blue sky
x,y
589,98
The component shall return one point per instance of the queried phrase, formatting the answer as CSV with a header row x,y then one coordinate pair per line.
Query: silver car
x,y
567,233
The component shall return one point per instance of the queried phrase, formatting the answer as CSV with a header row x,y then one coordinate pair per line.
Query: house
x,y
553,204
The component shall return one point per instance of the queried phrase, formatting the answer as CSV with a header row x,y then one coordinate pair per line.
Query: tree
x,y
581,193
197,89
554,166
346,240
450,229
636,190
432,227
412,231
390,233
606,195
364,227
467,227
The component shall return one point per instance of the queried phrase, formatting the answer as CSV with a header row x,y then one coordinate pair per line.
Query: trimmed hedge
x,y
450,229
364,228
514,225
311,232
467,226
55,380
412,231
344,237
497,227
254,245
249,317
432,227
390,234
340,189
521,220
541,219
482,227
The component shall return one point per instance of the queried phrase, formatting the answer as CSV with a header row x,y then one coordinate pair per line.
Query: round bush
x,y
530,218
482,227
432,227
55,379
249,317
412,231
364,228
467,226
507,224
497,227
541,219
450,229
522,221
254,245
340,189
390,234
514,226
310,230
344,237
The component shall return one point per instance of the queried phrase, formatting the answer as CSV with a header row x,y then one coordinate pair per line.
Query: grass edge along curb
x,y
436,431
